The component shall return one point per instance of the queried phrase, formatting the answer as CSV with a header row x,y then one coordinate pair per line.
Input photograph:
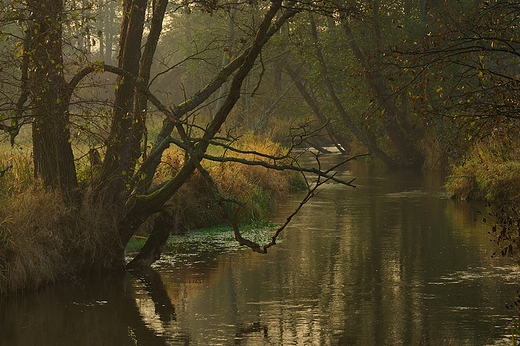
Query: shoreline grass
x,y
43,241
489,172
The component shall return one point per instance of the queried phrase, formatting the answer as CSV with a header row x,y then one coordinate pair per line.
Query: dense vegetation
x,y
148,114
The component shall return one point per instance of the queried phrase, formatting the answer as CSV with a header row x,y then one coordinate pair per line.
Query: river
x,y
393,261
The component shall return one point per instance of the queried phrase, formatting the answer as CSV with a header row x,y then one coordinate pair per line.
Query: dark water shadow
x,y
102,312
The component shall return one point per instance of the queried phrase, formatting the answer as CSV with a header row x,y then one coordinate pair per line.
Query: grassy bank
x,y
490,171
43,241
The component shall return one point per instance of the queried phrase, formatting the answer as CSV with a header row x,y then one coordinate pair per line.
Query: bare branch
x,y
324,174
321,179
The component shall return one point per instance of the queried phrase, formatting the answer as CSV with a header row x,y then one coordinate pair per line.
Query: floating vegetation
x,y
219,238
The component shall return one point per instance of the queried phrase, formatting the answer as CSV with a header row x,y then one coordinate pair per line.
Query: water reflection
x,y
391,262
102,313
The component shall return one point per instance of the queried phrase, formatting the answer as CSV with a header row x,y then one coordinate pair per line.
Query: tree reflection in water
x,y
392,262
105,312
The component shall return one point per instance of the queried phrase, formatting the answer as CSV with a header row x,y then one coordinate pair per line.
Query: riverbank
x,y
43,241
490,171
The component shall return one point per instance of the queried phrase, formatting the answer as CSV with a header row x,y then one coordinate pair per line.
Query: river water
x,y
393,261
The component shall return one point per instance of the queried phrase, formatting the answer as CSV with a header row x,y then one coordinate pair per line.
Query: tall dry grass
x,y
41,239
30,246
490,171
44,241
255,188
18,170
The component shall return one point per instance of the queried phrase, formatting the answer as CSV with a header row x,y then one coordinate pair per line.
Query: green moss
x,y
135,244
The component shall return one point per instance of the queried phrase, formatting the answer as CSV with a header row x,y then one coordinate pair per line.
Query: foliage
x,y
505,229
463,71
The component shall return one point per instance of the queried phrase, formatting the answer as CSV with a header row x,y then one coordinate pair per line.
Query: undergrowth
x,y
490,171
42,240
255,189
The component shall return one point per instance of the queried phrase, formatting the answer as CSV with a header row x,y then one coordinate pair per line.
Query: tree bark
x,y
117,165
226,55
138,130
360,135
153,247
52,151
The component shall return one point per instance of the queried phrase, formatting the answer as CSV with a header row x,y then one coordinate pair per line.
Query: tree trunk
x,y
118,165
337,139
139,122
360,135
226,55
153,247
409,155
52,152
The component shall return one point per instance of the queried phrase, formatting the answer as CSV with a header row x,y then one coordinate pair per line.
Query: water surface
x,y
393,261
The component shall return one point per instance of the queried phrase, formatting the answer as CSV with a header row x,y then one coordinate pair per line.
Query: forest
x,y
122,118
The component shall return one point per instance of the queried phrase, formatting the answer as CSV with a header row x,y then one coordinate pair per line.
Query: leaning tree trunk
x,y
408,153
138,130
347,120
118,164
337,139
52,152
